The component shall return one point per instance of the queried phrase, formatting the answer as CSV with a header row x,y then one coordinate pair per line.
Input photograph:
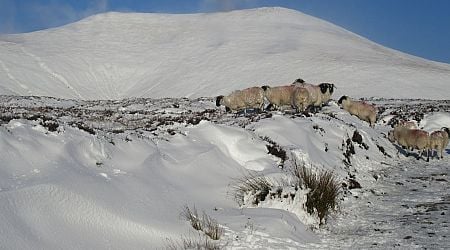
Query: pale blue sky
x,y
418,27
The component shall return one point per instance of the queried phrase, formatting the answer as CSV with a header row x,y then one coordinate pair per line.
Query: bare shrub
x,y
324,190
258,186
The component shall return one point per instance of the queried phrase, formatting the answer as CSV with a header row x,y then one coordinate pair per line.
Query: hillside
x,y
117,174
120,55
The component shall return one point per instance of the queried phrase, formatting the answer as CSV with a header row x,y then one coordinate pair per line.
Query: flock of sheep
x,y
407,135
302,96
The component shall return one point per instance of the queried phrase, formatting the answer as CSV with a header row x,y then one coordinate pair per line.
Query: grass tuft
x,y
324,190
258,186
206,224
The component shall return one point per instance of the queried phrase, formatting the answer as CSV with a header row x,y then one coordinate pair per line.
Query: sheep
x,y
407,124
309,95
242,99
301,99
364,111
439,140
279,96
411,139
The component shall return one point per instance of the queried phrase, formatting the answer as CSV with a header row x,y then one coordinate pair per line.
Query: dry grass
x,y
191,215
259,186
206,224
211,227
324,190
200,243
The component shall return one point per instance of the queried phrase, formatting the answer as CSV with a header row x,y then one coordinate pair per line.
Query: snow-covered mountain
x,y
119,55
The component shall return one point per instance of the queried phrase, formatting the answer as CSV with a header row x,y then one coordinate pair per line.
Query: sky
x,y
417,27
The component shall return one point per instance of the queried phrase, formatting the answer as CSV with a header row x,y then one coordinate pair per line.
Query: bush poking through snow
x,y
257,186
206,224
324,190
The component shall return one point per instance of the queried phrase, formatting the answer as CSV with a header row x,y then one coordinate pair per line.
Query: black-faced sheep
x,y
411,139
249,98
364,111
439,140
317,94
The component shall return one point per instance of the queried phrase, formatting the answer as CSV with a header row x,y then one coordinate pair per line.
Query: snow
x,y
72,188
116,173
435,121
120,55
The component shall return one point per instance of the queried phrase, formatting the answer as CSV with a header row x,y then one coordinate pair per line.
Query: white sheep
x,y
411,139
318,95
364,111
279,96
242,99
439,140
408,124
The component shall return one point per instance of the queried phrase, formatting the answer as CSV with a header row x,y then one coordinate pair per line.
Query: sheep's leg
x,y
227,109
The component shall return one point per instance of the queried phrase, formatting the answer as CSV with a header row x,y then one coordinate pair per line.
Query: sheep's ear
x,y
342,99
218,100
331,87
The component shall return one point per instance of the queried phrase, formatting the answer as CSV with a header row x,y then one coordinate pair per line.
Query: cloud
x,y
37,15
227,5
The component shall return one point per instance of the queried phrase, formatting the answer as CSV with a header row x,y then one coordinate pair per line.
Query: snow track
x,y
408,208
52,73
14,79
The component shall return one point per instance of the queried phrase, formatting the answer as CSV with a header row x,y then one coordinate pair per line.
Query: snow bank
x,y
435,121
70,188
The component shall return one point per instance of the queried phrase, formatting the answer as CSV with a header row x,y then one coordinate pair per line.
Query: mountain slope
x,y
119,55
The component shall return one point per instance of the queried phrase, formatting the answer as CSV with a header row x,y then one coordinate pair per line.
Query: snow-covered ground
x,y
116,174
99,165
120,55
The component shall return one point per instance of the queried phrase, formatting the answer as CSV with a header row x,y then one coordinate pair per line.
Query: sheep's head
x,y
219,100
299,80
265,87
343,98
326,86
